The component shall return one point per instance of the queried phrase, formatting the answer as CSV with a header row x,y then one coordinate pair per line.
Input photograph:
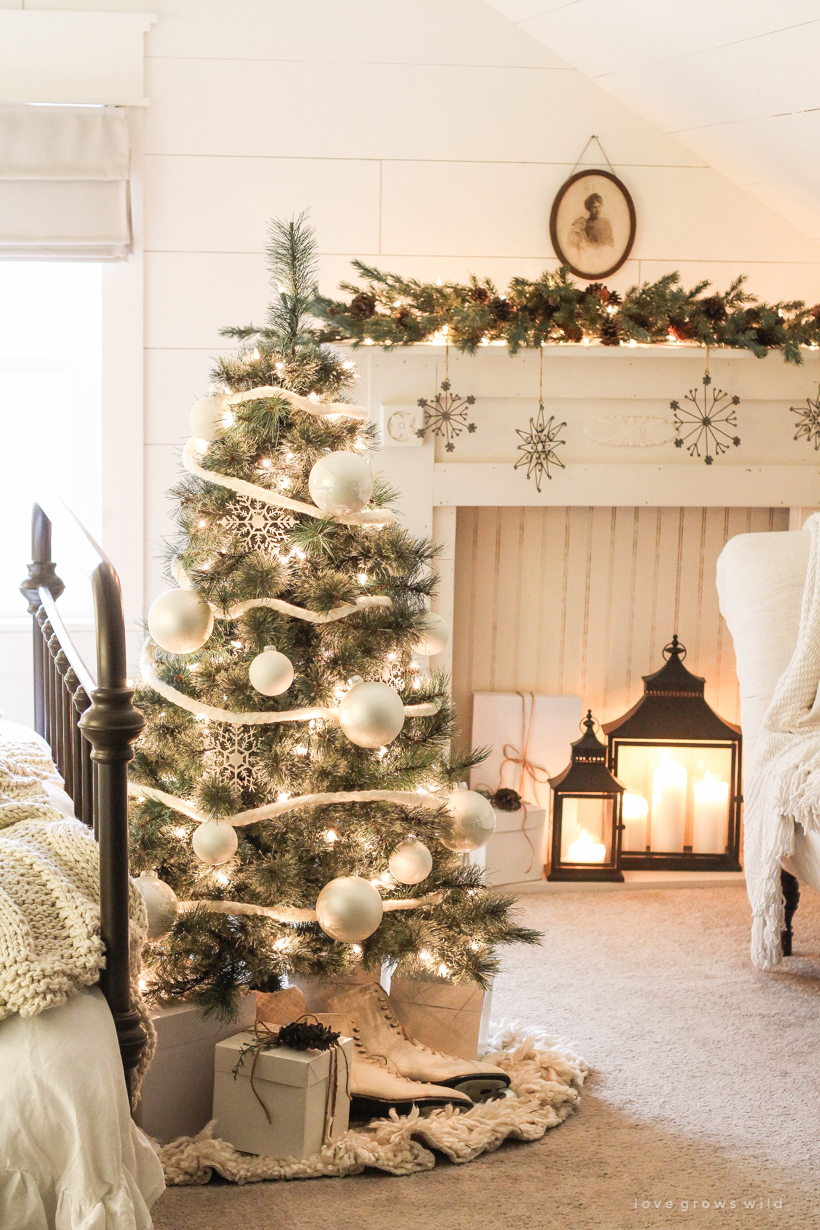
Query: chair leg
x,y
791,897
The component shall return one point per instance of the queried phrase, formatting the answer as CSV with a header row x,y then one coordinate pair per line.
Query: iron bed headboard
x,y
91,728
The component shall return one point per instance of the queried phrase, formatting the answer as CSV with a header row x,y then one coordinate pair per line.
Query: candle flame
x,y
586,849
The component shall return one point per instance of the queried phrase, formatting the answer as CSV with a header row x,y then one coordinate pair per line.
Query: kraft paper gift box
x,y
178,1090
452,1017
295,1086
514,853
535,727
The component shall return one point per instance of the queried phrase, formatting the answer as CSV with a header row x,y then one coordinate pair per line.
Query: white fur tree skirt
x,y
546,1076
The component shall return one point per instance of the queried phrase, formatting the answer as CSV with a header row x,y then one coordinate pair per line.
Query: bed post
x,y
111,725
791,897
41,575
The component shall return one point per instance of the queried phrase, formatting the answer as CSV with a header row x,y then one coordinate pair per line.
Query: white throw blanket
x,y
783,781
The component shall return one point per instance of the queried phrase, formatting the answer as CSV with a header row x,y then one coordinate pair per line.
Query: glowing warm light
x,y
381,753
179,831
256,352
586,849
283,796
368,341
202,524
348,365
443,970
265,463
668,805
357,948
221,877
313,396
425,955
331,836
301,750
635,807
635,816
362,578
279,366
228,419
711,815
485,341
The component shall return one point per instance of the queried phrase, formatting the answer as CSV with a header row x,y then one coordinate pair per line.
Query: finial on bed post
x,y
112,724
41,575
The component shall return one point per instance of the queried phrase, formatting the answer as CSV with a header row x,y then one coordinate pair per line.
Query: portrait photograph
x,y
592,224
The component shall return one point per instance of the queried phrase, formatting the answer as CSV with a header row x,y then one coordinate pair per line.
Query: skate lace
x,y
381,1060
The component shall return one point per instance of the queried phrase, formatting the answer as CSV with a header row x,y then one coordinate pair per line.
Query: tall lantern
x,y
586,813
680,763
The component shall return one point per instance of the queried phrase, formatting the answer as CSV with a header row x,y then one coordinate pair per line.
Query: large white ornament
x,y
180,621
349,909
180,575
411,862
435,635
341,483
271,673
472,821
215,843
371,714
161,902
210,418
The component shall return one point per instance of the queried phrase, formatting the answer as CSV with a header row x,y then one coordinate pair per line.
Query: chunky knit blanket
x,y
50,944
783,781
546,1077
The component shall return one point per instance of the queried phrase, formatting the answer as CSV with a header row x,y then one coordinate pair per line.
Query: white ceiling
x,y
735,81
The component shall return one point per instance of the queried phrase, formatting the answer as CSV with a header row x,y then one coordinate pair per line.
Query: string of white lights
x,y
406,798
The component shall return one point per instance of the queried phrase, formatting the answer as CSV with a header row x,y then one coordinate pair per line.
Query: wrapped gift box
x,y
453,1017
515,852
542,726
295,1087
178,1090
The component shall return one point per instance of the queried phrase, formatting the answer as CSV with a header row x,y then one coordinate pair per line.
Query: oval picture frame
x,y
593,237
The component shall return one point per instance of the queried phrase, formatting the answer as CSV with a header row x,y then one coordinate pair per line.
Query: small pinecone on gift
x,y
362,307
714,309
307,1036
506,800
478,294
608,333
502,309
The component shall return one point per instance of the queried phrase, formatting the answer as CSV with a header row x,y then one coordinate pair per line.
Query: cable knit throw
x,y
783,781
50,944
546,1076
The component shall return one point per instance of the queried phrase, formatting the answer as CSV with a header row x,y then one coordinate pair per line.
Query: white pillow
x,y
760,580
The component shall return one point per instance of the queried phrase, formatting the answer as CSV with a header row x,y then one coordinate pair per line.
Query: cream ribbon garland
x,y
321,409
270,810
291,914
298,612
200,709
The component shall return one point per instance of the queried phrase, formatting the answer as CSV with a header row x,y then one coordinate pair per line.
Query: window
x,y
50,394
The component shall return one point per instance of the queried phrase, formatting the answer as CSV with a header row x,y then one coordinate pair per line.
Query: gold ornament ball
x,y
161,903
472,821
341,483
349,909
434,636
271,673
210,418
214,843
371,714
180,621
411,862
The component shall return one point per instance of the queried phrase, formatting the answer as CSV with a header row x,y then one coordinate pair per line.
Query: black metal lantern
x,y
680,763
586,813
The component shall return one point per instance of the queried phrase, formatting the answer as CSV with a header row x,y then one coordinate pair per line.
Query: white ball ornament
x,y
180,575
271,673
161,902
371,714
434,636
472,821
180,621
349,909
214,843
210,418
341,483
411,862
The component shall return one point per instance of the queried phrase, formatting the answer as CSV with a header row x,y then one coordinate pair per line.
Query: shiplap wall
x,y
583,600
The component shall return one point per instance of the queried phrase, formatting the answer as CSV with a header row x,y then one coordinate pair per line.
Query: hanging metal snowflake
x,y
706,423
808,421
229,752
446,415
539,446
258,526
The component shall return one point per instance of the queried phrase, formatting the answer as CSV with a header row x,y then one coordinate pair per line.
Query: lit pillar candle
x,y
586,849
668,806
711,818
634,815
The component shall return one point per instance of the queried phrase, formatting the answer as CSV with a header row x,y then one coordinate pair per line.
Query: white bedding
x,y
71,1158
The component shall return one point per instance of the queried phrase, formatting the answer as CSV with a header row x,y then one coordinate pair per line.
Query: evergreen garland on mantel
x,y
553,309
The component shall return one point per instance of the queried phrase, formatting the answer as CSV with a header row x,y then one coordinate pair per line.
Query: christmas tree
x,y
295,785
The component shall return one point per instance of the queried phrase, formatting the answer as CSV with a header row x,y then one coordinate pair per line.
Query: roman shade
x,y
64,192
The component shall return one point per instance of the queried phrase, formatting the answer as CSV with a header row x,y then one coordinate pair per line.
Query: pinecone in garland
x,y
714,309
682,330
815,311
599,290
362,307
478,294
613,298
573,333
609,334
403,317
502,309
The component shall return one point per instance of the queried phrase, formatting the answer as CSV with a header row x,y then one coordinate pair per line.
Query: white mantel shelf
x,y
695,484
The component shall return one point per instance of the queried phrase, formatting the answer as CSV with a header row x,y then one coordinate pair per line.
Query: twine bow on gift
x,y
535,773
303,1034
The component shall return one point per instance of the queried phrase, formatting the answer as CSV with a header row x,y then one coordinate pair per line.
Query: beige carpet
x,y
706,1087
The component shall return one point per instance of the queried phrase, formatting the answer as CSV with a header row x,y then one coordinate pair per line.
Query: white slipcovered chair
x,y
760,581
